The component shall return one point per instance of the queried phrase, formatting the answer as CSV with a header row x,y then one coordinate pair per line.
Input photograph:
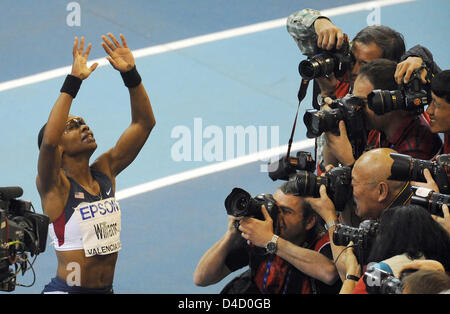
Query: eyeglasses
x,y
74,123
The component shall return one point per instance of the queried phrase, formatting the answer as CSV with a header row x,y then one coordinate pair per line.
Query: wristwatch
x,y
271,246
330,224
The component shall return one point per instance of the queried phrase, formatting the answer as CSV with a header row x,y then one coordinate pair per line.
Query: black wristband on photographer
x,y
71,85
351,277
131,78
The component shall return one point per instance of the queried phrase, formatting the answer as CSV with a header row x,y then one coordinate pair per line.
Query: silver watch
x,y
271,246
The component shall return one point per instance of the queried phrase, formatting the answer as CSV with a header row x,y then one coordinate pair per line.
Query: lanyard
x,y
266,277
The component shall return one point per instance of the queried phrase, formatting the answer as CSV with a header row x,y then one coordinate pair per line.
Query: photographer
x,y
403,131
373,193
405,233
311,31
78,196
300,262
314,33
439,108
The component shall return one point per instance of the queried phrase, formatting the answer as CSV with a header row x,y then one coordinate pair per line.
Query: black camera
x,y
337,61
406,168
350,109
412,96
286,167
337,182
379,281
362,237
430,199
21,231
239,203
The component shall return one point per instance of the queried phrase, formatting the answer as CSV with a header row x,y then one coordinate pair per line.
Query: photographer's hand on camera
x,y
444,221
406,68
327,86
339,146
430,184
323,206
353,269
232,230
328,34
258,232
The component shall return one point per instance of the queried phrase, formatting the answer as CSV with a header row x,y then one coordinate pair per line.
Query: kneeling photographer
x,y
373,193
279,238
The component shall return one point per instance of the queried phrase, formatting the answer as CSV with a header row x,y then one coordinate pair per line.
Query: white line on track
x,y
213,168
194,41
185,43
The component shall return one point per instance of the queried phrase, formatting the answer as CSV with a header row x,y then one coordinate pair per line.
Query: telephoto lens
x,y
406,168
384,101
430,200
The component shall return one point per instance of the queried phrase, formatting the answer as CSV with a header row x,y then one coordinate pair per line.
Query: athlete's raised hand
x,y
79,66
119,55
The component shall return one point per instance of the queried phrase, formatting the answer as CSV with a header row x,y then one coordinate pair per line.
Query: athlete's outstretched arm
x,y
142,118
49,178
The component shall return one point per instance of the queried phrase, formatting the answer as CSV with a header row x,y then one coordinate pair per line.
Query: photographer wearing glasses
x,y
285,249
78,196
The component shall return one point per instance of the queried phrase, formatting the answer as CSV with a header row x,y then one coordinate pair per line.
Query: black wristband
x,y
131,78
351,277
71,85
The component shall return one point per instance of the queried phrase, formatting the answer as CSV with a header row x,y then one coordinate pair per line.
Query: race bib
x,y
100,225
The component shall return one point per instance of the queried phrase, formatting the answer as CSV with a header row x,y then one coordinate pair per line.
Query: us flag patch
x,y
79,195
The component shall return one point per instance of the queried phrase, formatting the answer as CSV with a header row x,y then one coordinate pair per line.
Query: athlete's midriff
x,y
90,272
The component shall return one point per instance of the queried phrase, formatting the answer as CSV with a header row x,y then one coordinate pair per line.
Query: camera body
x,y
430,199
412,96
21,231
362,237
350,109
337,61
379,281
286,167
406,168
337,182
239,203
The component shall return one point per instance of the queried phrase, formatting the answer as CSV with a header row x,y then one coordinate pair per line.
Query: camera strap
x,y
301,95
